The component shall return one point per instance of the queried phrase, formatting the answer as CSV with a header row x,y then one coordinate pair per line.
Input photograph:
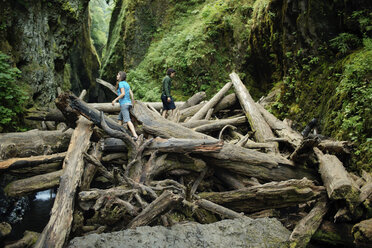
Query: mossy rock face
x,y
38,36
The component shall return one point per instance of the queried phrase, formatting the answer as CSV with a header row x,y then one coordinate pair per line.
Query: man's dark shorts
x,y
167,105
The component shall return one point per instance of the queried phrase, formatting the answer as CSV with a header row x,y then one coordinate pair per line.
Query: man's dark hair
x,y
170,71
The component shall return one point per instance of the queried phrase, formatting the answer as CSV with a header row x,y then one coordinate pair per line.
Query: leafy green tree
x,y
12,97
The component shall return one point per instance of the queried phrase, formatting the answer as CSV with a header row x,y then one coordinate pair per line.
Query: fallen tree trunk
x,y
33,143
256,198
190,111
16,163
335,146
185,145
218,125
307,226
225,103
33,184
362,233
281,129
214,208
56,232
194,100
166,201
336,180
211,103
261,129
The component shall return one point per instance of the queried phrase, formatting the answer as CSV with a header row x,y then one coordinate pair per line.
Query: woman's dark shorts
x,y
167,105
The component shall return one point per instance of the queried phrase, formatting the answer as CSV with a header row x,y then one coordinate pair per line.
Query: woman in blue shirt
x,y
125,98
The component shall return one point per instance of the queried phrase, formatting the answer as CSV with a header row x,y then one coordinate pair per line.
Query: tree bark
x,y
33,143
257,123
58,228
256,198
211,103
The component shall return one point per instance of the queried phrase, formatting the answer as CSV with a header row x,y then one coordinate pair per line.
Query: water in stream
x,y
36,214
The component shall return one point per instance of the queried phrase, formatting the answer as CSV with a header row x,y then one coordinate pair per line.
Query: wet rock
x,y
245,232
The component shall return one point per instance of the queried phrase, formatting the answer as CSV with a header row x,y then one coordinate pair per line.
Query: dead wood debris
x,y
204,163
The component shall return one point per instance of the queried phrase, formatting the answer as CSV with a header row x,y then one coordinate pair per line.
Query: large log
x,y
194,100
211,103
33,143
166,201
219,124
58,228
257,122
190,111
336,179
281,129
33,184
267,196
362,233
306,227
16,163
225,103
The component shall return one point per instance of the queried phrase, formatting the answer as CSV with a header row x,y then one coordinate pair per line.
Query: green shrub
x,y
12,97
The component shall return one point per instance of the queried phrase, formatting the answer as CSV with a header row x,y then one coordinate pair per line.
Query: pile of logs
x,y
209,160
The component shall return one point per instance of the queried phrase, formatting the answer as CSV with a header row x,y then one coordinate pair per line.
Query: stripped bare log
x,y
215,208
257,122
331,146
33,184
58,228
219,124
211,103
304,230
185,145
90,169
167,163
162,204
225,103
194,100
43,115
336,180
33,143
37,170
16,163
190,111
281,129
256,198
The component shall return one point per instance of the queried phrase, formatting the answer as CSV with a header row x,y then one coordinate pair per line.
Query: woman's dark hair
x,y
170,71
122,77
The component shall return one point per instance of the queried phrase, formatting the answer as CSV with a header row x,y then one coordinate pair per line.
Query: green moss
x,y
329,237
